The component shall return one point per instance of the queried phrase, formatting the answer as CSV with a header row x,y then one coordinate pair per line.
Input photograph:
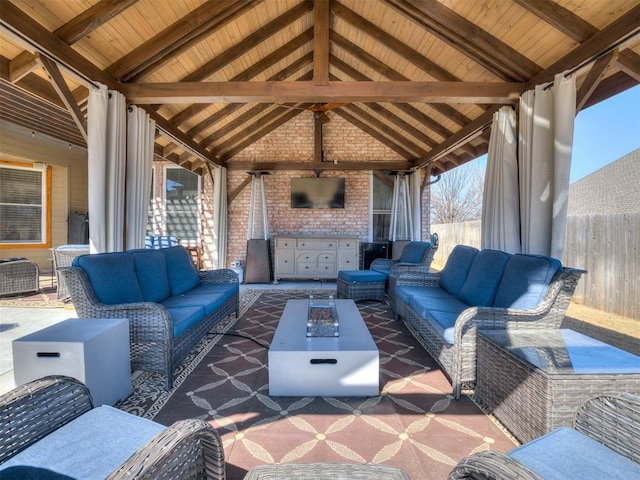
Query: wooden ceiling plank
x,y
466,37
393,43
624,27
233,92
59,84
249,42
593,78
560,18
629,62
382,68
91,19
173,40
321,42
374,134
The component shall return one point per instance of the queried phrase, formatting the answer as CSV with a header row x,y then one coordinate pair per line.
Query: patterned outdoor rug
x,y
413,423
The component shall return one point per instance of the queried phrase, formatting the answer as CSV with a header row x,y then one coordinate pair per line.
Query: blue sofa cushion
x,y
185,317
210,303
91,446
364,276
405,292
424,306
444,323
566,453
485,274
182,273
112,276
525,281
151,270
413,252
457,267
228,289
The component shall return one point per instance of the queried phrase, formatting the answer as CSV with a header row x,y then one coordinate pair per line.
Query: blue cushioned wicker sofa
x,y
170,305
486,289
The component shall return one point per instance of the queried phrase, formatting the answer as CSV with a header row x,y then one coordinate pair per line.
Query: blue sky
x,y
602,133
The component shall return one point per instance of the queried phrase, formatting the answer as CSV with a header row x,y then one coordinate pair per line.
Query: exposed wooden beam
x,y
629,62
593,78
560,18
608,38
176,38
469,39
59,84
610,86
382,68
321,42
232,195
22,65
234,92
346,166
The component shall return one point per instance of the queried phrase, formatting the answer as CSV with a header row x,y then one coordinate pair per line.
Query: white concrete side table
x,y
92,350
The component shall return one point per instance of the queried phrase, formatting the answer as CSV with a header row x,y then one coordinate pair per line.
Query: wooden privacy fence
x,y
606,245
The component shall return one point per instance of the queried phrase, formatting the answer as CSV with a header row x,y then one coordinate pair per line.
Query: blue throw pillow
x,y
183,275
112,276
525,281
456,269
151,270
485,274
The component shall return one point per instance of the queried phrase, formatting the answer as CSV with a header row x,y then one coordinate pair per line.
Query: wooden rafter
x,y
593,79
321,42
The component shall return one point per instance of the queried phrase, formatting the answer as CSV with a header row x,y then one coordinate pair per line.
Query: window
x,y
182,207
382,201
23,208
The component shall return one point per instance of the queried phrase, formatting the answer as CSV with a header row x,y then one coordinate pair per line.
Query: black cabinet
x,y
370,251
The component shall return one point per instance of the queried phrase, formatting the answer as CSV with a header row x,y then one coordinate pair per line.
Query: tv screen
x,y
315,192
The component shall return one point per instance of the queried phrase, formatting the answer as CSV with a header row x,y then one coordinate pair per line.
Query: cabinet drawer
x,y
285,242
348,244
306,268
316,243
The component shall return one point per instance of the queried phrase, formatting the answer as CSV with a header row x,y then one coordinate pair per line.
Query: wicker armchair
x,y
612,420
18,275
63,257
188,449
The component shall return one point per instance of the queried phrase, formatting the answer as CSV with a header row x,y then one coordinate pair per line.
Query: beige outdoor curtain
x,y
140,138
545,143
500,203
219,217
106,140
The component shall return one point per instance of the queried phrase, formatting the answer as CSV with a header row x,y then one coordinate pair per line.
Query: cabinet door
x,y
348,260
285,261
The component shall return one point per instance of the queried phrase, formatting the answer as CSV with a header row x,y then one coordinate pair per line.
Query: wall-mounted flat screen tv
x,y
317,192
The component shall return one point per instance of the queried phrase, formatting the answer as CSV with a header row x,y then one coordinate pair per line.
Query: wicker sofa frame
x,y
152,343
19,276
458,360
613,419
63,257
188,449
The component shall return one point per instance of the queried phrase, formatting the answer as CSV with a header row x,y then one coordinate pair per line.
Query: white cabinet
x,y
314,257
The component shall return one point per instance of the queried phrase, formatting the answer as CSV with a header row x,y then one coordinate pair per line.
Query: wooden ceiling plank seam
x,y
260,132
59,84
593,78
400,150
389,41
392,74
629,62
321,42
250,73
173,40
608,38
560,18
469,39
233,92
249,42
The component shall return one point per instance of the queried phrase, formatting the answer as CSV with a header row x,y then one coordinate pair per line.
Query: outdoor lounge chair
x,y
602,444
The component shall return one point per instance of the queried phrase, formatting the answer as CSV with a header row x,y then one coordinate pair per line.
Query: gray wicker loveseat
x,y
49,430
603,443
486,289
170,305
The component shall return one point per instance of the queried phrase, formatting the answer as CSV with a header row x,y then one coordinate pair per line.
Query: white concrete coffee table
x,y
344,366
